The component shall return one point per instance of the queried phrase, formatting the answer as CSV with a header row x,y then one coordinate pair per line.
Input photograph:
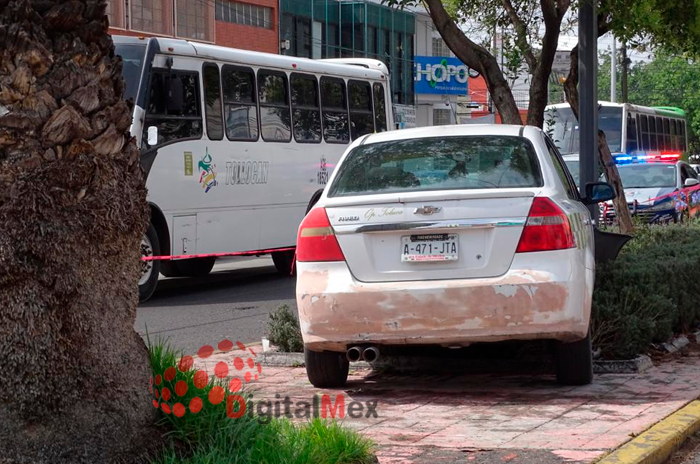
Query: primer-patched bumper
x,y
539,298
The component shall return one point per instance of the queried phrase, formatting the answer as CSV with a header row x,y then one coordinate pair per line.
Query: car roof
x,y
452,131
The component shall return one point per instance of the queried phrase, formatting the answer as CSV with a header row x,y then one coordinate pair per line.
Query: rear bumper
x,y
538,299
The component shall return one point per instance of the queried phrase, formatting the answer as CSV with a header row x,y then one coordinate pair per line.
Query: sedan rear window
x,y
446,163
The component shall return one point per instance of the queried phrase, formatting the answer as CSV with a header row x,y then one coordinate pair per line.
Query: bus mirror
x,y
153,135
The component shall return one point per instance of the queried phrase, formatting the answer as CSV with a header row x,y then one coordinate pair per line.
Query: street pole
x,y
625,70
588,101
613,71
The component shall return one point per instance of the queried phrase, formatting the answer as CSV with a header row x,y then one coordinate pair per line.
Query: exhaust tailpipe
x,y
370,354
354,354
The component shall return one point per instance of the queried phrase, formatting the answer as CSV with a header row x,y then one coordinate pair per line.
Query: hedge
x,y
650,292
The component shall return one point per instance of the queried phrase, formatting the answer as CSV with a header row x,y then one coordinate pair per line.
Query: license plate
x,y
429,247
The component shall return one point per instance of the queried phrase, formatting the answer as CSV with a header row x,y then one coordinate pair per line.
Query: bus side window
x,y
275,115
631,134
652,133
660,134
674,134
361,116
683,146
335,110
379,108
645,132
306,108
240,103
212,101
667,136
173,106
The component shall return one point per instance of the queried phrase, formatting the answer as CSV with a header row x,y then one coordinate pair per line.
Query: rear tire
x,y
283,262
326,369
575,362
195,267
150,246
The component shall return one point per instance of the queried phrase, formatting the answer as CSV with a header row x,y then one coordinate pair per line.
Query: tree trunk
x,y
476,57
73,210
622,212
539,88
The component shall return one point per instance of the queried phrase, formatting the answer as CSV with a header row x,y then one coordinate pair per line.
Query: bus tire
x,y
170,269
150,246
195,267
283,262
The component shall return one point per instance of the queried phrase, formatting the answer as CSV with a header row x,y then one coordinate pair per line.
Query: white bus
x,y
237,145
633,132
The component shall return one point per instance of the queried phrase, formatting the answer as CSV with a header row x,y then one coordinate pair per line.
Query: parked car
x,y
447,236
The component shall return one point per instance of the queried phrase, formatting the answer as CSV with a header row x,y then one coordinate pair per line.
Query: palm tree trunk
x,y
73,209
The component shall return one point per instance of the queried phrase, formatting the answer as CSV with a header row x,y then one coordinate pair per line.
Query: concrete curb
x,y
624,366
285,359
656,444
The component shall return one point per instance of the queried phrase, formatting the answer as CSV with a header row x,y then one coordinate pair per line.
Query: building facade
x,y
251,25
335,29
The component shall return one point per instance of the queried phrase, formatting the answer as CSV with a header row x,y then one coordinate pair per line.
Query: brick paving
x,y
484,418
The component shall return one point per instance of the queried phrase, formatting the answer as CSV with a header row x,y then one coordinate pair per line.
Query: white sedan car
x,y
447,236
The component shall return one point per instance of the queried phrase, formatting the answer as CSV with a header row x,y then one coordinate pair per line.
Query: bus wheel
x,y
195,267
283,262
149,269
170,269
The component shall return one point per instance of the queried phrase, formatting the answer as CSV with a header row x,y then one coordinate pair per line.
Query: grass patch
x,y
211,437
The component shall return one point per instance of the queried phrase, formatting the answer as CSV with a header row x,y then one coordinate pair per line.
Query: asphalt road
x,y
233,302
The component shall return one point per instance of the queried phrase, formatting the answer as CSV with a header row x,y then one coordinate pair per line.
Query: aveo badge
x,y
207,172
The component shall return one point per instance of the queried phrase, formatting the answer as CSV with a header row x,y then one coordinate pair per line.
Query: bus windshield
x,y
562,126
132,58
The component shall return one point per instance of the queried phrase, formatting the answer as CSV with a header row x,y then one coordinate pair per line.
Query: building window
x,y
440,48
244,13
441,117
150,16
115,13
194,20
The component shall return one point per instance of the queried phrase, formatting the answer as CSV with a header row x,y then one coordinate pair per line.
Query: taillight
x,y
547,228
316,240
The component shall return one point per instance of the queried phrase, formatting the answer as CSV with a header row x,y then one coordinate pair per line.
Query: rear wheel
x,y
283,261
149,269
195,267
326,369
575,362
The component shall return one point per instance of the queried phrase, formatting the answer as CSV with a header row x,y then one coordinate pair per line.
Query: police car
x,y
653,185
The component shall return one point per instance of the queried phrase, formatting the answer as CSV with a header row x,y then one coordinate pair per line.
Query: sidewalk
x,y
488,418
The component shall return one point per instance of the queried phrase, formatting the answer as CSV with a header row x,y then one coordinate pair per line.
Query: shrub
x,y
284,331
649,292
